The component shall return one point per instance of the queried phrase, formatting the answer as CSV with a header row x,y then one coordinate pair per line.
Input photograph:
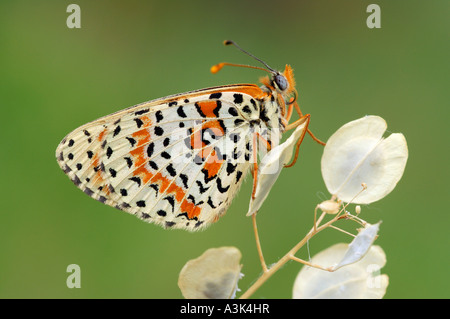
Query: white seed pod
x,y
356,154
360,245
270,168
360,280
213,275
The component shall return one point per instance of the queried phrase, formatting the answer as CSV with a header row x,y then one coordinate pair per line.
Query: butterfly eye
x,y
281,82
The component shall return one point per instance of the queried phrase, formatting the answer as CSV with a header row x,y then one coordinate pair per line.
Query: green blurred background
x,y
54,79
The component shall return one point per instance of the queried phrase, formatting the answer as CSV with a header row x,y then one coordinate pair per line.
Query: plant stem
x,y
258,244
267,274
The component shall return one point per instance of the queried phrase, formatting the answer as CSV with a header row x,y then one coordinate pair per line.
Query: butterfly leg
x,y
255,164
297,108
300,121
265,142
268,147
255,182
289,112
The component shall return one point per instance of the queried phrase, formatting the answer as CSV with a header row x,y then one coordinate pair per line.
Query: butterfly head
x,y
281,82
284,82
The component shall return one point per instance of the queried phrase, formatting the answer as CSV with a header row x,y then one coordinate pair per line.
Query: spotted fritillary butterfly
x,y
178,161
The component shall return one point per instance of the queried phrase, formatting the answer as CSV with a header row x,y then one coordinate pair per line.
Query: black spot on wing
x,y
207,178
232,111
137,180
166,142
220,187
171,170
141,112
159,116
217,95
192,199
88,191
155,187
180,112
129,161
263,115
165,155
238,98
109,152
169,224
116,130
231,168
247,109
131,140
153,165
235,137
113,172
161,213
138,122
171,201
238,176
201,187
184,179
140,203
210,203
159,130
150,149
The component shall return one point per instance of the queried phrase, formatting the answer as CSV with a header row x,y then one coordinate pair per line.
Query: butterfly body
x,y
177,161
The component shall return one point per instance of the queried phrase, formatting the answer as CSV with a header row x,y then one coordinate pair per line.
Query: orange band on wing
x,y
138,155
208,108
213,165
142,136
102,134
166,185
215,129
98,178
146,121
253,90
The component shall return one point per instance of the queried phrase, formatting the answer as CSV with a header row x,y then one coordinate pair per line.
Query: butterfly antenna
x,y
229,42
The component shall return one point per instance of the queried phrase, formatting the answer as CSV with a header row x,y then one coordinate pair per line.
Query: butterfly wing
x,y
176,162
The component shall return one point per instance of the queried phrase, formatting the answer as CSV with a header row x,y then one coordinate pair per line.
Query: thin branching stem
x,y
258,244
341,230
289,255
307,263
